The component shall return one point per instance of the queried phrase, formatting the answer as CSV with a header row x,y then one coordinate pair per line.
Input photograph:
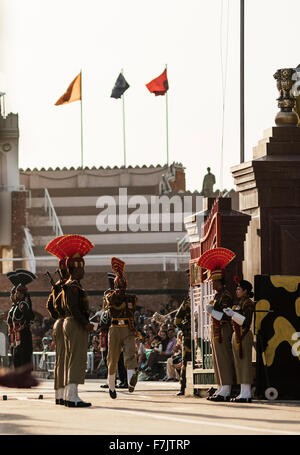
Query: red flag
x,y
160,85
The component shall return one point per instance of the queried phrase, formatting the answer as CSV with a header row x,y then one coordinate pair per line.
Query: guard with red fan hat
x,y
121,307
76,325
56,311
215,261
242,340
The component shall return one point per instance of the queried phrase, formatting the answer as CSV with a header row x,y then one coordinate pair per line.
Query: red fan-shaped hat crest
x,y
55,249
216,259
117,266
74,245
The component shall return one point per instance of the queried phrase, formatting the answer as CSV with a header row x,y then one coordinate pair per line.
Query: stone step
x,y
41,268
93,191
108,249
124,238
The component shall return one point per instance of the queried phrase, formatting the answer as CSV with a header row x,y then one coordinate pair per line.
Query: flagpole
x,y
167,125
124,138
81,119
242,81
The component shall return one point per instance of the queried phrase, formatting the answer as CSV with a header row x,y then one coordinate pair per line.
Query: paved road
x,y
152,409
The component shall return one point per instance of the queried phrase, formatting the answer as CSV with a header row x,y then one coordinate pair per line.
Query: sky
x,y
44,45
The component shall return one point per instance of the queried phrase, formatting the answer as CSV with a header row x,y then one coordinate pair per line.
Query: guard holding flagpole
x,y
215,261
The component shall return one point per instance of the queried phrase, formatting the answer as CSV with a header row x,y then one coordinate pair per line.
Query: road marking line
x,y
204,422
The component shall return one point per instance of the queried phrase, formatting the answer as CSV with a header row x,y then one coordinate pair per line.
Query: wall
x,y
157,282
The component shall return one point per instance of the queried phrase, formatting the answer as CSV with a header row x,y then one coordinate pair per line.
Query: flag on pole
x,y
120,87
159,85
73,92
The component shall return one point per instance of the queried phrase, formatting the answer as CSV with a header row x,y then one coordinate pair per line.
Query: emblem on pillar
x,y
286,101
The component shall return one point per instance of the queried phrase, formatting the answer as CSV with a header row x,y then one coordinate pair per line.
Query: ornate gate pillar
x,y
217,226
269,188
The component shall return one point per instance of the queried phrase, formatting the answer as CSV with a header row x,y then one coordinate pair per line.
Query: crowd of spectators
x,y
158,347
158,344
41,330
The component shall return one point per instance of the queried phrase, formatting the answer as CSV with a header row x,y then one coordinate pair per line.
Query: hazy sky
x,y
44,44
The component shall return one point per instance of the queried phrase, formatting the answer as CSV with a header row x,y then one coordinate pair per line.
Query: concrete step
x,y
129,267
93,191
138,248
119,238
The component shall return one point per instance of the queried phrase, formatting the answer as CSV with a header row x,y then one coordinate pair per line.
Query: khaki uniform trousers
x,y
243,366
119,337
59,367
76,346
223,356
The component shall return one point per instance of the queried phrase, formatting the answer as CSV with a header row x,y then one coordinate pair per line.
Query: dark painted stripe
x,y
113,249
95,191
101,292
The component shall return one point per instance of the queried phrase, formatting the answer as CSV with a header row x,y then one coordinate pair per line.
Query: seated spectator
x,y
147,342
157,344
164,339
37,335
174,362
140,352
156,356
96,350
163,328
150,333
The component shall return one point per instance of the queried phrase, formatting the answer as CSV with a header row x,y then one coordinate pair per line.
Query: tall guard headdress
x,y
118,267
216,260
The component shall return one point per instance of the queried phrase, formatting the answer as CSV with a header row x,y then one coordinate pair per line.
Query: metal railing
x,y
105,260
45,361
183,244
28,244
48,206
202,366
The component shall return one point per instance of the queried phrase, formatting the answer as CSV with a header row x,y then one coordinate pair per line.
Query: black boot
x,y
78,404
181,391
112,394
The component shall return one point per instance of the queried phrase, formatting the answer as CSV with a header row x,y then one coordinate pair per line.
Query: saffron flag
x,y
120,87
159,85
73,92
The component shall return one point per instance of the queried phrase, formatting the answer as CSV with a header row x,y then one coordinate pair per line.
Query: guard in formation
x,y
104,325
120,307
55,308
75,309
183,322
242,341
232,338
19,317
215,261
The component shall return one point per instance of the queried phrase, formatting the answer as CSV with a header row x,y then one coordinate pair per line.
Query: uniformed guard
x,y
242,339
76,325
56,311
215,260
183,322
121,307
19,317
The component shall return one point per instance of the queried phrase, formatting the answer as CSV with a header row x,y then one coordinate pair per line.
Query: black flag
x,y
120,87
